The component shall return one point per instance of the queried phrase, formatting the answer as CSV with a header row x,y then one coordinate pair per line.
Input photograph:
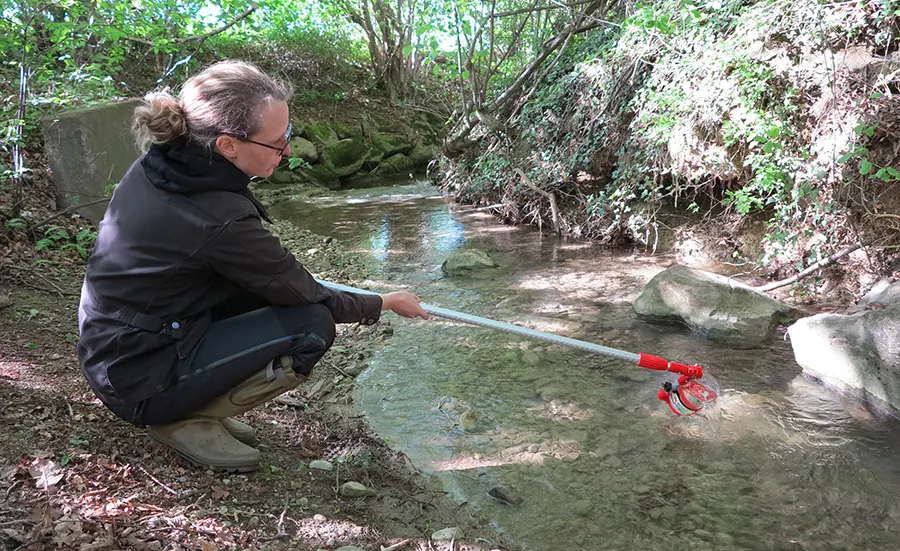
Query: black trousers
x,y
245,335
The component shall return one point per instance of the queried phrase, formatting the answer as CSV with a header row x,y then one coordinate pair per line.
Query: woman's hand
x,y
404,304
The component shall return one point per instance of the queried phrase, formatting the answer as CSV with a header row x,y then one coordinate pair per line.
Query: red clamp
x,y
660,364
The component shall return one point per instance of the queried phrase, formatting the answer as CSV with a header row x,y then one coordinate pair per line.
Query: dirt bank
x,y
73,476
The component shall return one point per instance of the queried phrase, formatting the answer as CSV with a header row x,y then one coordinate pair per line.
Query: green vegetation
x,y
779,112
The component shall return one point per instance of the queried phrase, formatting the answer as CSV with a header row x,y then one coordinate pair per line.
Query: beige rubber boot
x,y
205,440
240,430
206,443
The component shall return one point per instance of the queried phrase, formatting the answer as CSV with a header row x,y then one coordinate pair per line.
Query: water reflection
x,y
782,463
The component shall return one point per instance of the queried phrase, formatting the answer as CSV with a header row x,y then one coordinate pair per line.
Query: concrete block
x,y
89,150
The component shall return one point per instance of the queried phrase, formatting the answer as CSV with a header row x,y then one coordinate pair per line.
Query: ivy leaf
x,y
845,157
865,167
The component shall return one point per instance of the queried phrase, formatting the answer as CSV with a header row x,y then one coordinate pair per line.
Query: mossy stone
x,y
346,156
393,165
322,175
320,133
390,144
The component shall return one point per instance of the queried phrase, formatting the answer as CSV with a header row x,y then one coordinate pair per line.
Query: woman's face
x,y
261,152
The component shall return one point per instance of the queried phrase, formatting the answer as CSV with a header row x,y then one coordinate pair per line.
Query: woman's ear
x,y
226,146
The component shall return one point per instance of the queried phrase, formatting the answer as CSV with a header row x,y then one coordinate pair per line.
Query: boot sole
x,y
197,462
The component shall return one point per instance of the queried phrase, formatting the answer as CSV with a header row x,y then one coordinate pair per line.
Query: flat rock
x,y
321,465
355,489
447,534
712,305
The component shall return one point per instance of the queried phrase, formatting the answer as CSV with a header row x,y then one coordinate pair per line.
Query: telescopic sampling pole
x,y
687,392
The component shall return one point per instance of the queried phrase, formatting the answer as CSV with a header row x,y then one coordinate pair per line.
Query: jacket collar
x,y
186,167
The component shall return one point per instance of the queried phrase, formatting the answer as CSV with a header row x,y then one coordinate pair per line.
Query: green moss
x,y
320,133
322,175
344,130
395,164
389,144
347,156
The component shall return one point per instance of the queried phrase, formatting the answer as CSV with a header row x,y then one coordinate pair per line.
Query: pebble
x,y
355,489
468,420
319,518
641,489
303,502
321,465
505,495
530,357
582,507
5,301
447,534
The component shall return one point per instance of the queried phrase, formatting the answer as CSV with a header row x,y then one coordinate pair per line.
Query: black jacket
x,y
182,234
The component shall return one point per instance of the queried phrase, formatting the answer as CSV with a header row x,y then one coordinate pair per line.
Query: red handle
x,y
659,364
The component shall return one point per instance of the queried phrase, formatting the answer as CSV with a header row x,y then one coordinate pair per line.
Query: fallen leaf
x,y
46,472
218,492
207,546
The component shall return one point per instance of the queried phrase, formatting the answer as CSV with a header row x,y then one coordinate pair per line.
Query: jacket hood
x,y
187,167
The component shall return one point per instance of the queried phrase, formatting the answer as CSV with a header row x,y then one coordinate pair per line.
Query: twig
x,y
815,267
17,521
70,209
55,289
396,546
8,490
554,209
166,488
342,372
279,531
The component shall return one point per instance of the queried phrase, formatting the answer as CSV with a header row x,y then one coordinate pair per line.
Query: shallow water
x,y
780,463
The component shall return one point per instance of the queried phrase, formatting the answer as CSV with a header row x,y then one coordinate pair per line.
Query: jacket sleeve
x,y
253,258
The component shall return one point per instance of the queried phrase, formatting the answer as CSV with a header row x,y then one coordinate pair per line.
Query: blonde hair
x,y
225,98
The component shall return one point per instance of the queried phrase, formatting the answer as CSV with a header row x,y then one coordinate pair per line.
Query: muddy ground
x,y
73,476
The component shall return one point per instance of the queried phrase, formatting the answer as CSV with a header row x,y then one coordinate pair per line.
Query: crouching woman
x,y
191,311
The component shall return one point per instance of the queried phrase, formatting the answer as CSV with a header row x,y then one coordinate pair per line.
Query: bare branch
x,y
554,208
538,8
203,36
812,269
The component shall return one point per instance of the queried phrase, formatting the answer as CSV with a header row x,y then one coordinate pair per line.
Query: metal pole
x,y
507,327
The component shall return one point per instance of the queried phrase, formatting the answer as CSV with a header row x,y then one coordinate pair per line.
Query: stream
x,y
597,460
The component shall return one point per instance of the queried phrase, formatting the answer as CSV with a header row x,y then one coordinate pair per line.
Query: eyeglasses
x,y
280,150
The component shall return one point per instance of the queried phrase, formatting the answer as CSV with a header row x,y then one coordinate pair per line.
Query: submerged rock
x,y
468,261
711,304
468,420
505,495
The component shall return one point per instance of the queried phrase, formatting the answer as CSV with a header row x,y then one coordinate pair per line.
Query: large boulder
x,y
394,165
468,261
711,304
346,156
320,133
304,149
321,175
858,352
421,155
391,144
345,130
